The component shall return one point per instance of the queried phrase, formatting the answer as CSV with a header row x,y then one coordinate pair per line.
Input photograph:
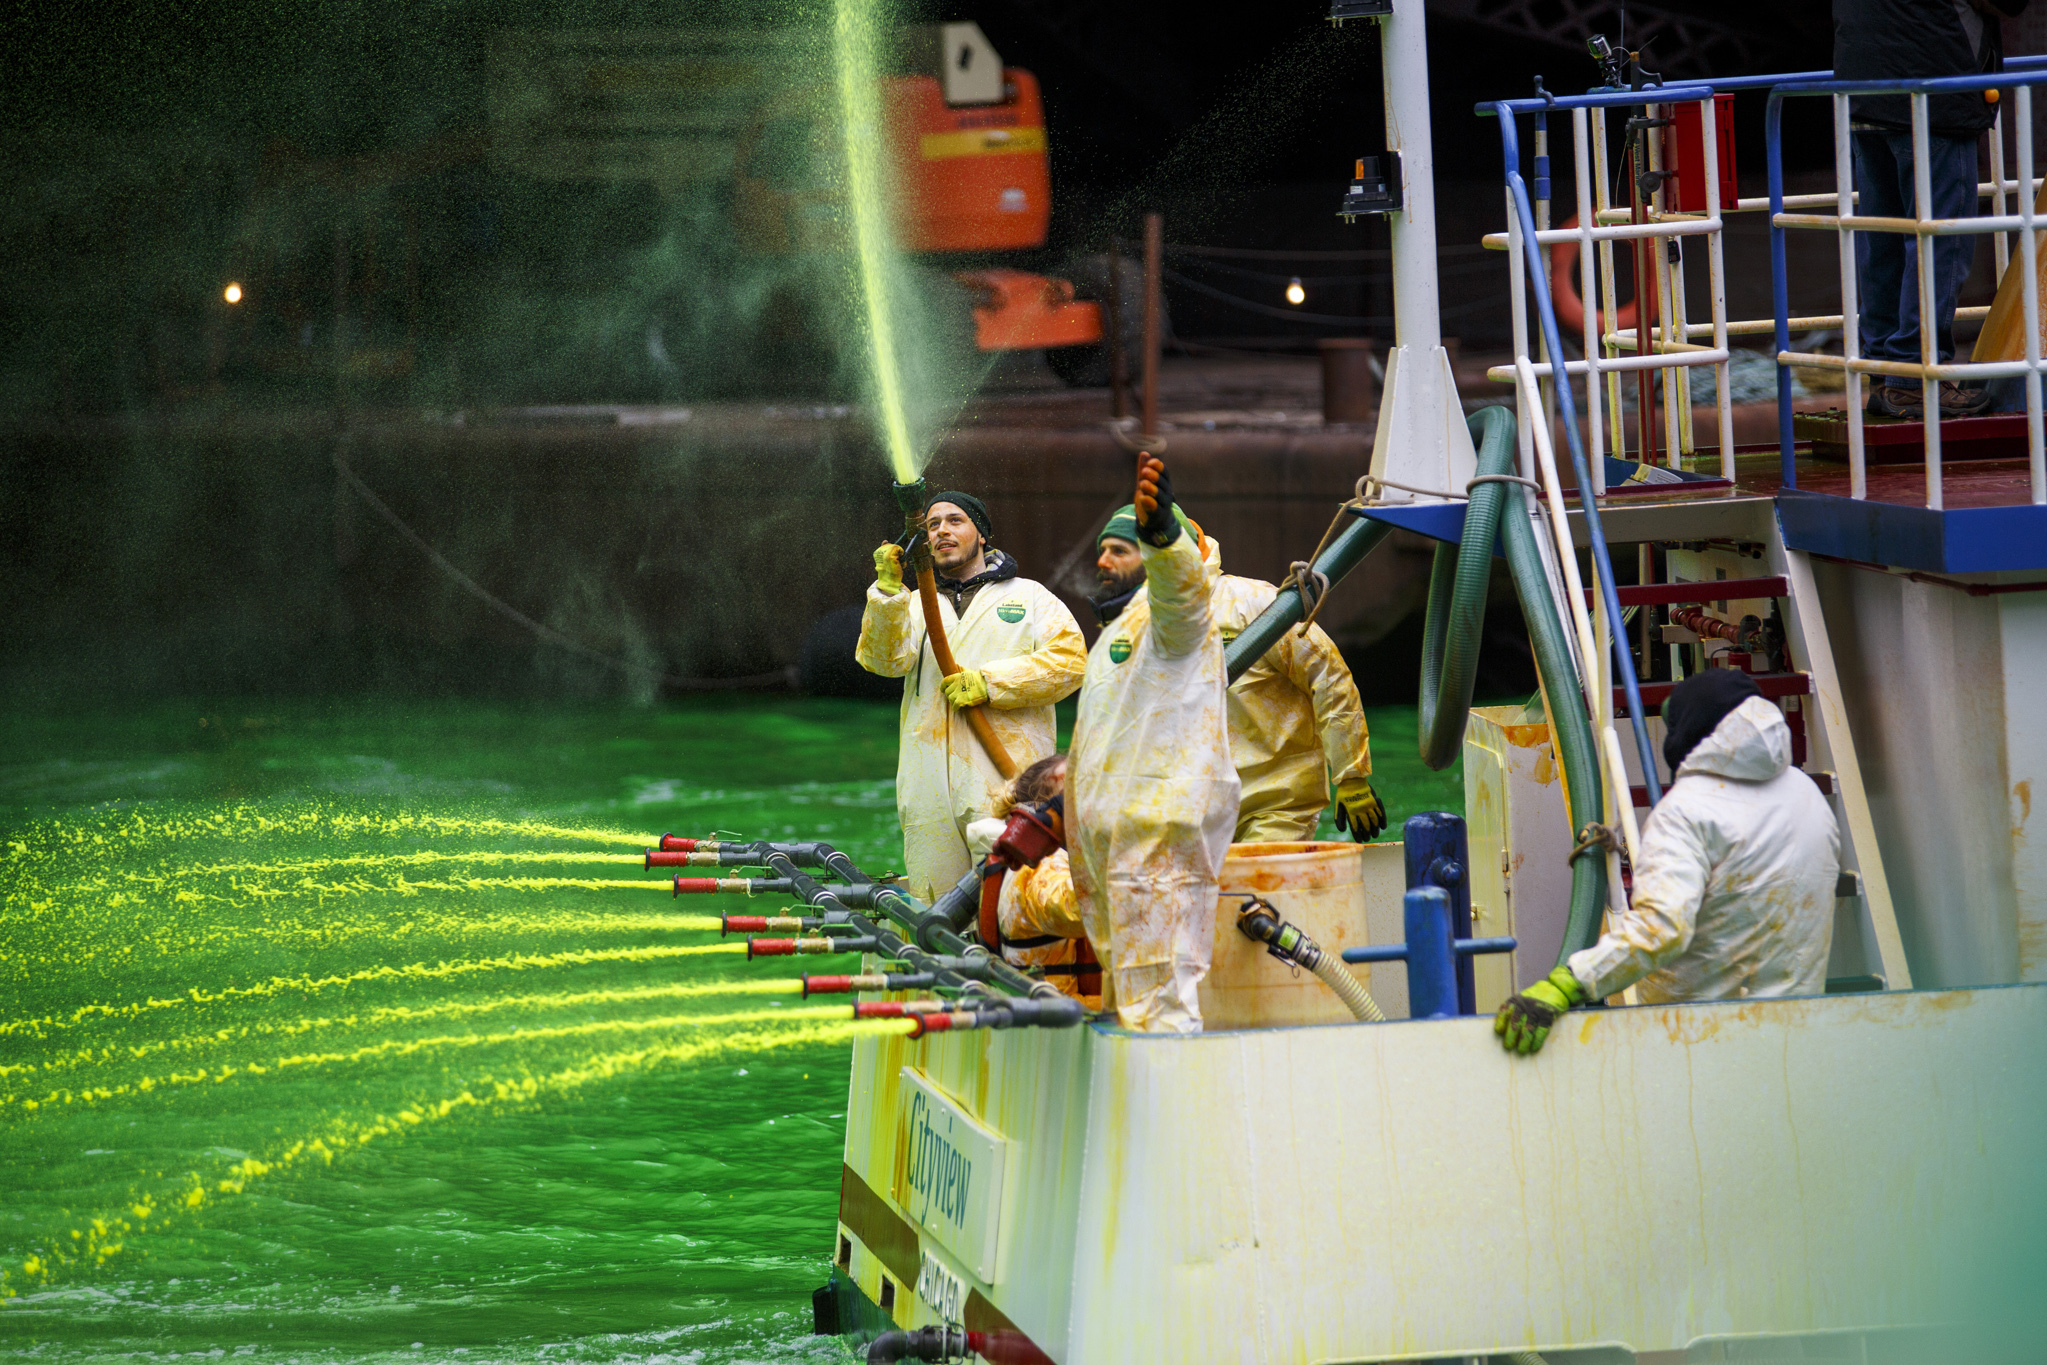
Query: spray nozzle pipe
x,y
843,985
732,855
760,924
745,886
792,947
913,497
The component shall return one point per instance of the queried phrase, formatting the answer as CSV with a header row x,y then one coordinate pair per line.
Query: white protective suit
x,y
1026,644
1296,723
1734,891
1151,792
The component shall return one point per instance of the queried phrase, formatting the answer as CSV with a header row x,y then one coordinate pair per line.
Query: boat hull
x,y
1658,1178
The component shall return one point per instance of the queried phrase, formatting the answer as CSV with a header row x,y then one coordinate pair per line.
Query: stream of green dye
x,y
296,1063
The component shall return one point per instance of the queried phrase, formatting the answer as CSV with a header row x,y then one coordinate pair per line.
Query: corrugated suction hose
x,y
1450,644
1260,922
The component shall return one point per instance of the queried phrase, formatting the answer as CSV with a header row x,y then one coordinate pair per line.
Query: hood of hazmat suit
x,y
1151,791
1296,723
1026,644
1734,891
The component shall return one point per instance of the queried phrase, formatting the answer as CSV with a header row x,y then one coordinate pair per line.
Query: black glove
x,y
1359,811
1154,504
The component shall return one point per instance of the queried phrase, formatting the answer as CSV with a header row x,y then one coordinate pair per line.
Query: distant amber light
x,y
233,293
1295,294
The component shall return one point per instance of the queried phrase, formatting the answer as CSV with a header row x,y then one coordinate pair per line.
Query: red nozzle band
x,y
672,858
880,1009
700,886
742,924
826,985
675,843
770,947
930,1023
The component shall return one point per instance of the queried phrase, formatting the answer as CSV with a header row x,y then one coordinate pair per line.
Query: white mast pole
x,y
1421,439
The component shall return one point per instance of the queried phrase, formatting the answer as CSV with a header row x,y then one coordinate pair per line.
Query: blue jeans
x,y
1887,265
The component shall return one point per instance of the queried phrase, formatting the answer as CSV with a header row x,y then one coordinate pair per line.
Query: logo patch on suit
x,y
1119,649
1011,611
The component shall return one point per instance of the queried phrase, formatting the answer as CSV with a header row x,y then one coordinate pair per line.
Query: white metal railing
x,y
1844,222
1598,226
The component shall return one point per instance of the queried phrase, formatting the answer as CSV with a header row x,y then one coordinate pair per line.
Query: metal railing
x,y
2020,77
1594,634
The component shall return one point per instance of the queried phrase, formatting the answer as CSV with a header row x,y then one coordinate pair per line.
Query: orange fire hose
x,y
934,627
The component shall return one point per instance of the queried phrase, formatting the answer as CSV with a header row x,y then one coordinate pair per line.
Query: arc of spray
x,y
853,28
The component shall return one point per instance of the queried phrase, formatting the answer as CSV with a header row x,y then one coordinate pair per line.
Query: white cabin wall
x,y
1923,673
2023,622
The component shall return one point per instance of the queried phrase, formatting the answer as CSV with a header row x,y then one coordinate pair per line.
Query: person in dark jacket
x,y
1881,39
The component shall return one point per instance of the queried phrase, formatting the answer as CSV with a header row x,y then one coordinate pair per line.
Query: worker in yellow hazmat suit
x,y
1296,724
1019,652
1035,916
1151,792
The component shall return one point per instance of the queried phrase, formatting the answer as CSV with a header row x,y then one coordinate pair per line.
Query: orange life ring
x,y
1563,289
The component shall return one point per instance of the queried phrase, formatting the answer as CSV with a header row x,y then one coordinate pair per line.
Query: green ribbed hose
x,y
1349,546
1450,642
1455,624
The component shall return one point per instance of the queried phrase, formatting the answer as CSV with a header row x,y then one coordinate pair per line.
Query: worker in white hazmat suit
x,y
1296,725
1734,889
1151,791
1019,652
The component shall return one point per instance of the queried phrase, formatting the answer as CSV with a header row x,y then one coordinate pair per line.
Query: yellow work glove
x,y
1359,811
1524,1020
888,569
965,688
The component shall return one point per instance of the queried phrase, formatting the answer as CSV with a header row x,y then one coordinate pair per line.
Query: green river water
x,y
356,1031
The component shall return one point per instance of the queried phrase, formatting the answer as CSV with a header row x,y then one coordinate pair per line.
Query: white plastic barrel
x,y
1341,895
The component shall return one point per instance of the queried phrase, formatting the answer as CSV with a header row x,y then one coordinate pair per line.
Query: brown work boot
x,y
1894,400
1960,400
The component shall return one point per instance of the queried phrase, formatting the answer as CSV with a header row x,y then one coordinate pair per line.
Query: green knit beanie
x,y
1123,524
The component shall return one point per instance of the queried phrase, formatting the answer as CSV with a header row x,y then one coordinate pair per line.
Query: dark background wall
x,y
170,517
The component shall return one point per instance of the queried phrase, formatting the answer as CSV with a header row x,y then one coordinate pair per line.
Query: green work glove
x,y
965,688
888,569
1524,1020
1359,811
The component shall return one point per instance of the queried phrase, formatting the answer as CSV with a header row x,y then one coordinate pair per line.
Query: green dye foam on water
x,y
243,1111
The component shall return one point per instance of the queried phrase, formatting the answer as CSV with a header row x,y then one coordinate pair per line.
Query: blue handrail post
x,y
1437,854
1780,289
1431,962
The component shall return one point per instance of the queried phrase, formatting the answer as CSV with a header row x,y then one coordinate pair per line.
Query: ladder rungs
x,y
1726,590
1771,685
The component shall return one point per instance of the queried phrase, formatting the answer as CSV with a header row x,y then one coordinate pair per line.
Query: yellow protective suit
x,y
1026,644
1038,903
1296,723
1151,793
1035,904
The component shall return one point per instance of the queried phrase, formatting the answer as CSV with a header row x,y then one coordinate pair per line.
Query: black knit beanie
x,y
976,511
1698,704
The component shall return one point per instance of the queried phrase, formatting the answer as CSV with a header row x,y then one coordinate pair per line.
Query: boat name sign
x,y
949,1170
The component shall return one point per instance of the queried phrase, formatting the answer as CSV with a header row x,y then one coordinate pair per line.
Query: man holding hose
x,y
1019,652
1151,792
